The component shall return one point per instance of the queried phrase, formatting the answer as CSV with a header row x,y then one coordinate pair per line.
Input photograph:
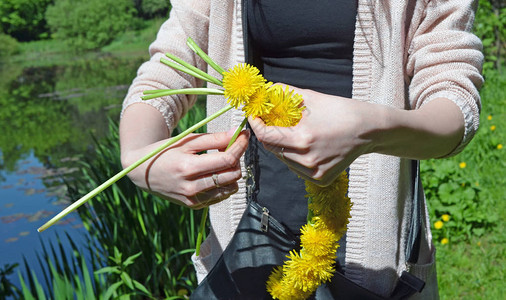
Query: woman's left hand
x,y
330,136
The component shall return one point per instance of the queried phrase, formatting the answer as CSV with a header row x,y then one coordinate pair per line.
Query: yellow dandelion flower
x,y
492,128
499,147
438,224
445,217
287,108
318,240
445,241
258,104
306,272
462,165
478,243
331,203
274,283
489,117
240,82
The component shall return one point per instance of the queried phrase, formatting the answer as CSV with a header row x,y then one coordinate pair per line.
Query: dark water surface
x,y
48,116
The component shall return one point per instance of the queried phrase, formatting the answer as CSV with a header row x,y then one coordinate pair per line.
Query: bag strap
x,y
415,229
408,283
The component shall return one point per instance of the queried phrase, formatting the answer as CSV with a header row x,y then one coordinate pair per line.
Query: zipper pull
x,y
264,223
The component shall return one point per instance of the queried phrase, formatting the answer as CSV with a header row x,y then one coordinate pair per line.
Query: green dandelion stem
x,y
191,72
191,43
194,70
201,230
206,209
121,174
190,91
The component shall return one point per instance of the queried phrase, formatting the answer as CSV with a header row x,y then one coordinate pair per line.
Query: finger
x,y
218,161
208,141
274,135
217,180
214,196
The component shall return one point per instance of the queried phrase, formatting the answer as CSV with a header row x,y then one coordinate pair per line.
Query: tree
x,y
24,19
91,24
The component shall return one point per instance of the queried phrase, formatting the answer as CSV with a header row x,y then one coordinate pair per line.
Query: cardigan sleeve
x,y
188,18
445,60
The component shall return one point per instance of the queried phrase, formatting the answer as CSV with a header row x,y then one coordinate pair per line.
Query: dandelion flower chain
x,y
304,272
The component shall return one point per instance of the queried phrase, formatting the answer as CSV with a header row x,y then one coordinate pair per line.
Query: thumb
x,y
210,141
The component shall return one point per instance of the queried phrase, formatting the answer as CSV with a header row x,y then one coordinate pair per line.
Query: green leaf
x,y
103,270
127,280
112,290
141,287
130,260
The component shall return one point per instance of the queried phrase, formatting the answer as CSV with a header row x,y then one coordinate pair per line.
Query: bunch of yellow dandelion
x,y
305,271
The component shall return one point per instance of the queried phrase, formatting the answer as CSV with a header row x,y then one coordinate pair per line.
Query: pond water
x,y
48,118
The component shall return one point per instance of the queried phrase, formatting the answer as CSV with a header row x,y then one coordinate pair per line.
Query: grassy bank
x,y
132,43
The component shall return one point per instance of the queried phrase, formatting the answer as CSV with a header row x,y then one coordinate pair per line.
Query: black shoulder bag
x,y
260,243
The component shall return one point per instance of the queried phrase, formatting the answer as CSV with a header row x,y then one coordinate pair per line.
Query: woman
x,y
383,82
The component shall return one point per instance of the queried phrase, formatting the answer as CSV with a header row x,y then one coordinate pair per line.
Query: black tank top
x,y
308,44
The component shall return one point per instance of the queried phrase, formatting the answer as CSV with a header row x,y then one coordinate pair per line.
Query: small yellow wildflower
x,y
489,117
240,82
499,147
478,243
445,241
492,128
462,165
445,217
438,224
287,110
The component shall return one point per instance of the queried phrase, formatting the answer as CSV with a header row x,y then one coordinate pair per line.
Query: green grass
x,y
474,269
135,42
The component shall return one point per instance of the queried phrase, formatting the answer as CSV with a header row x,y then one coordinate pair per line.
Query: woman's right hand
x,y
179,173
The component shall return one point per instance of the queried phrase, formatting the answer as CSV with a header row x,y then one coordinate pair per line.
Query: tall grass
x,y
140,245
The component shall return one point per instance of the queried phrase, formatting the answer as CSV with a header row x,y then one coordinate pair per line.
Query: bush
x,y
155,8
89,24
24,19
8,46
490,27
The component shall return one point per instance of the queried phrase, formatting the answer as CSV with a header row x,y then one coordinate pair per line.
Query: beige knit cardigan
x,y
406,53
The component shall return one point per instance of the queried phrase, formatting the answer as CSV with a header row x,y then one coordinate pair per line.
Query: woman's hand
x,y
334,131
180,174
326,140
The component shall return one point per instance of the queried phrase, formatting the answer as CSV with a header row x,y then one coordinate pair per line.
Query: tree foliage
x,y
490,27
8,46
148,9
89,24
24,19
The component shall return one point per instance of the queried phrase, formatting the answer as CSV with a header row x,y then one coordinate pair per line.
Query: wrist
x,y
377,127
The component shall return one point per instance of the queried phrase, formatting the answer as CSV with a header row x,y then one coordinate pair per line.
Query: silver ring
x,y
215,179
282,152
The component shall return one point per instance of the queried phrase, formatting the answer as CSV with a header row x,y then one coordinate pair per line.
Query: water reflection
x,y
48,116
52,110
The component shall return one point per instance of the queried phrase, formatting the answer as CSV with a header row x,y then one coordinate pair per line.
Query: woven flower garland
x,y
306,270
